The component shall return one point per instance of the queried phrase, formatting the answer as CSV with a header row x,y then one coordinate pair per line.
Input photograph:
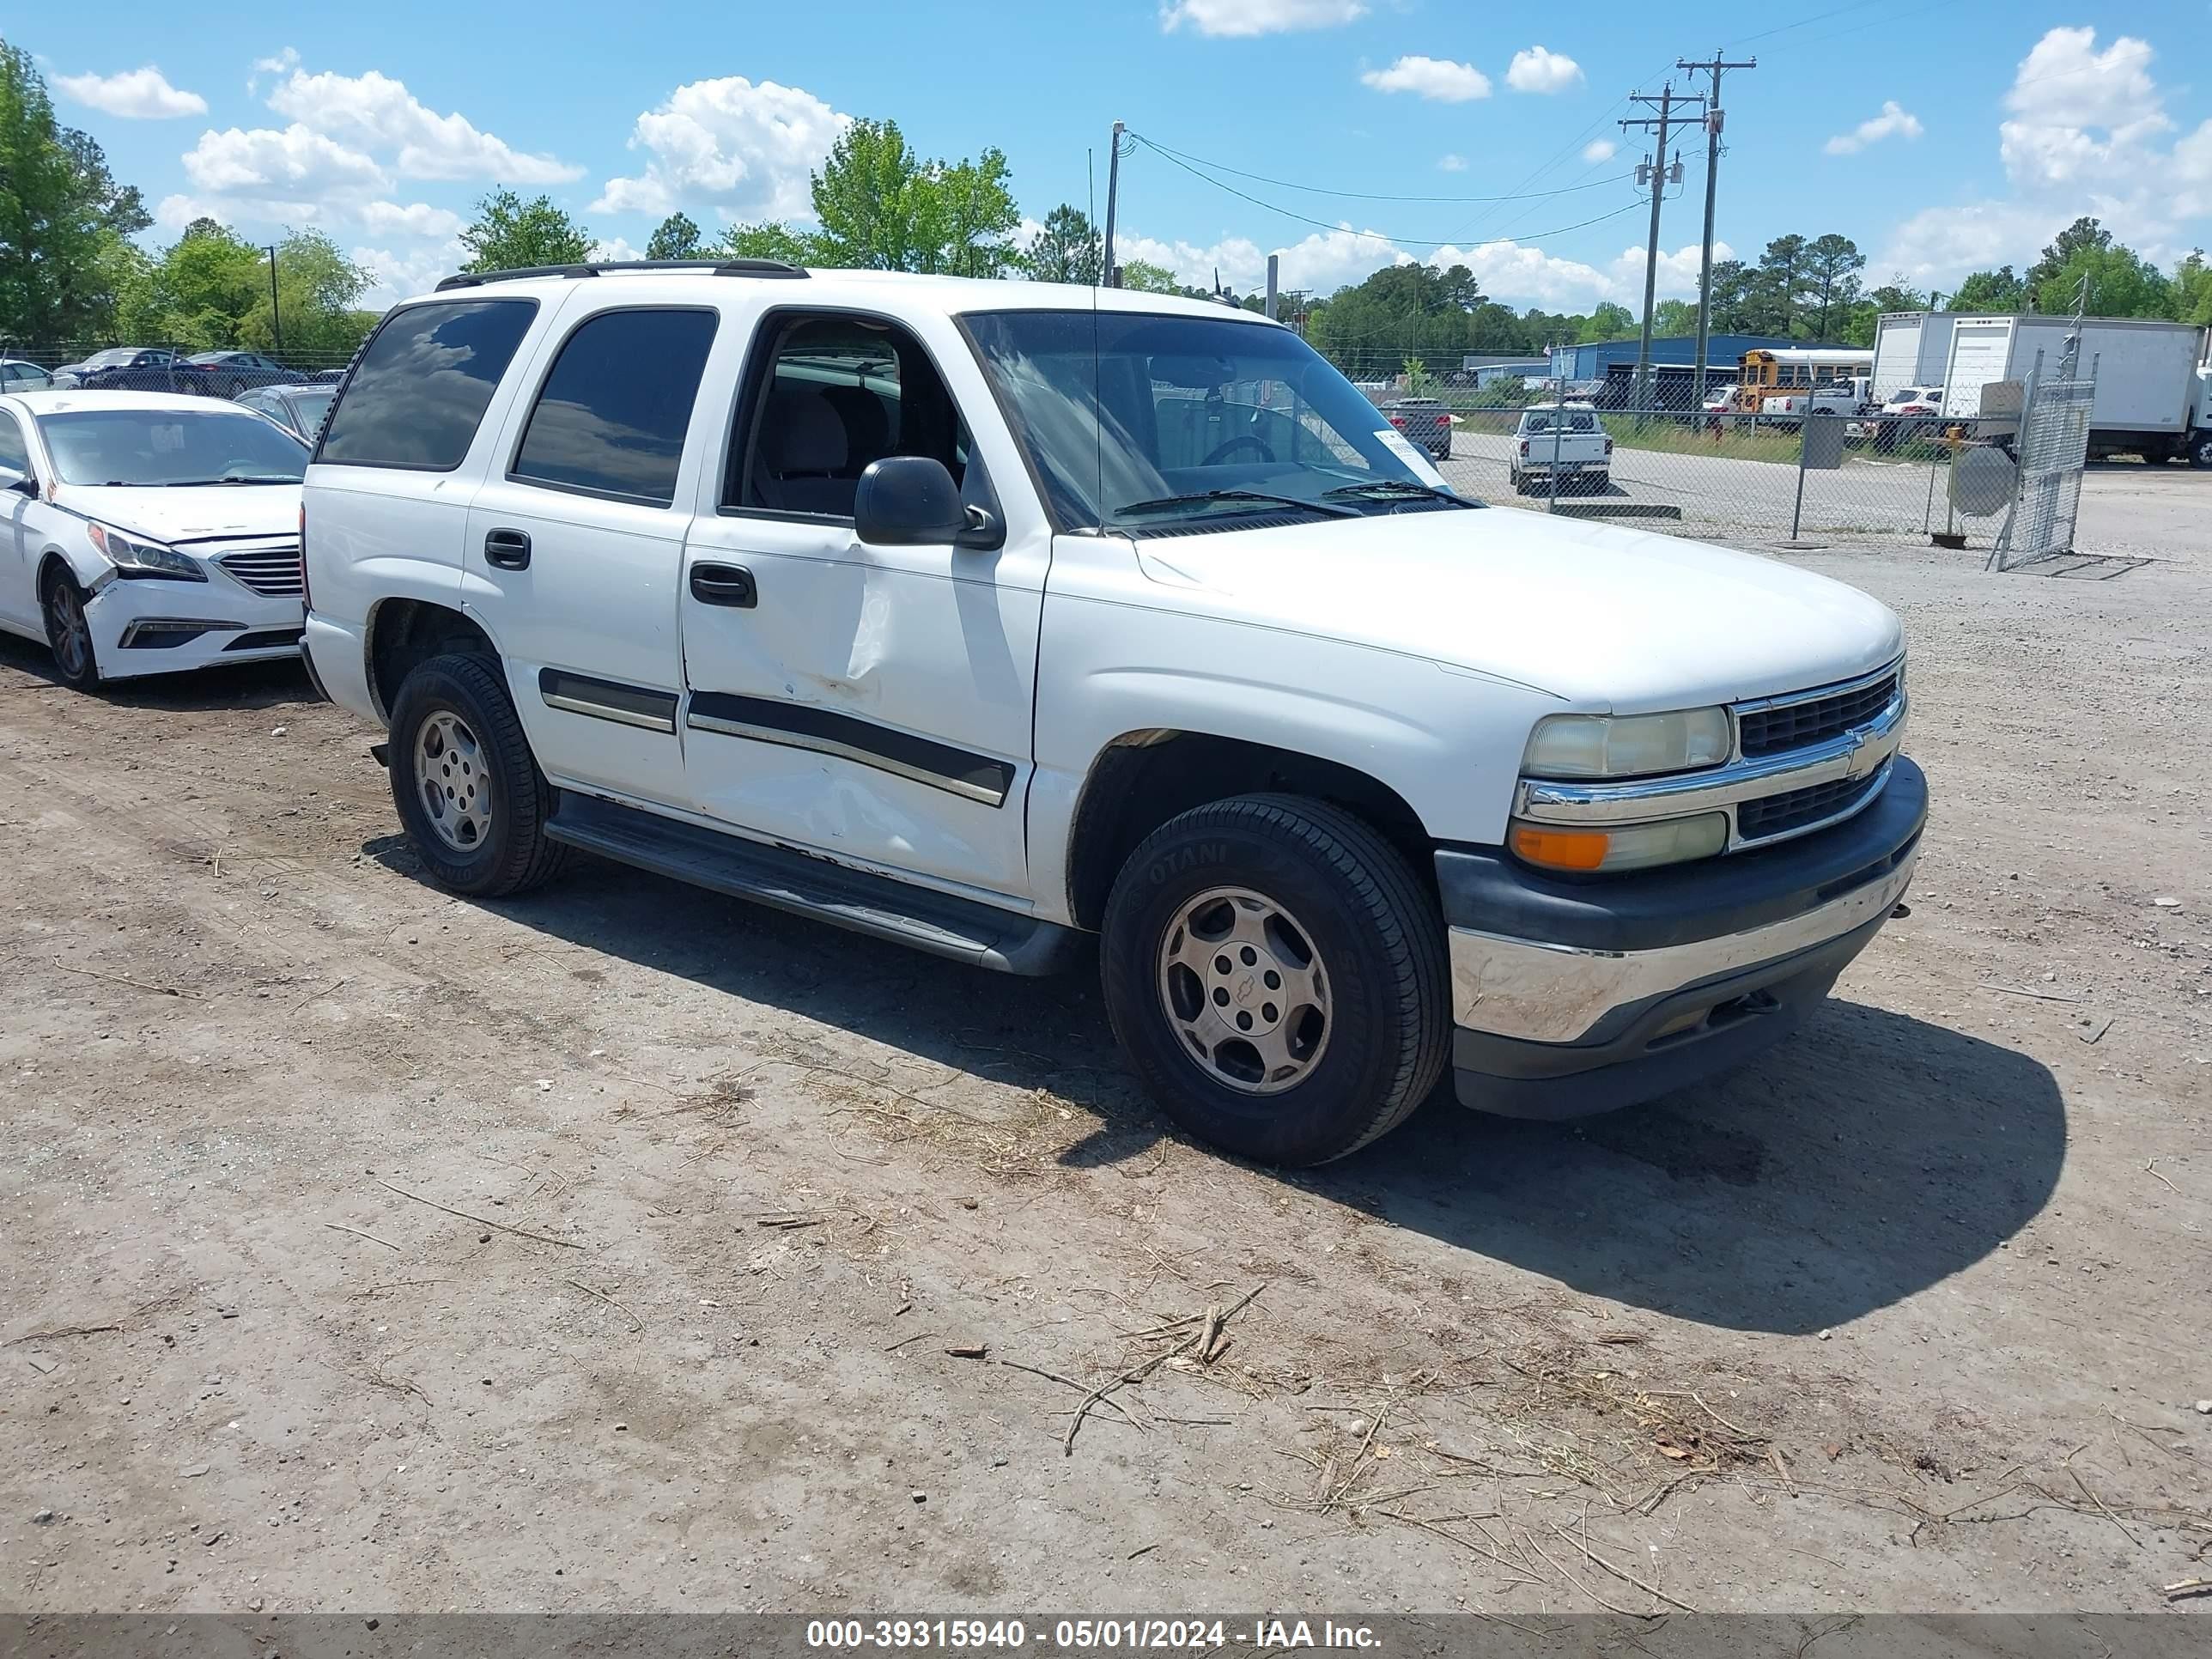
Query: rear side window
x,y
611,418
421,387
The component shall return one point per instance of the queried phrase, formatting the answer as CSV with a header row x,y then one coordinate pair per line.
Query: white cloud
x,y
613,248
1895,121
374,109
399,276
1538,69
1451,164
415,219
296,173
282,63
2064,93
1437,78
1600,149
139,94
744,147
1250,18
1509,272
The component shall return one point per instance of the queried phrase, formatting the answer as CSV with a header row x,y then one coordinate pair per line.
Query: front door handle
x,y
507,548
724,584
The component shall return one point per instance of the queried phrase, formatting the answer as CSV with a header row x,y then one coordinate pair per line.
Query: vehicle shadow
x,y
224,685
1871,1157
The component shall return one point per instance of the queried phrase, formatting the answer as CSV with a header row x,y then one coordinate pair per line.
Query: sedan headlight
x,y
1626,746
134,555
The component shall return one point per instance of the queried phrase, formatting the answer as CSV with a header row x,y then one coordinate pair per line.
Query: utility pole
x,y
1715,65
1113,272
1663,122
275,317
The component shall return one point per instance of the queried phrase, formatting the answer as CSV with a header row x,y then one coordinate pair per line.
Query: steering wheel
x,y
1222,451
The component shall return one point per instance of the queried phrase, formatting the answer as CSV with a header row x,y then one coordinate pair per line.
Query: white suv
x,y
989,616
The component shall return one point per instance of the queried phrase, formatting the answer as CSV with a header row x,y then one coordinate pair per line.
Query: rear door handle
x,y
507,548
724,584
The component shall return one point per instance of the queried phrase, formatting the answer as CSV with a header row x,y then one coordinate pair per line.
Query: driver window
x,y
836,394
15,454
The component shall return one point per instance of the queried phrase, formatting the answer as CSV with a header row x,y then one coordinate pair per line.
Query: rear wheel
x,y
69,634
467,790
1277,977
2200,449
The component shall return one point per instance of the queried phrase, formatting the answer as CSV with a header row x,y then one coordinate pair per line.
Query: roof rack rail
x,y
773,268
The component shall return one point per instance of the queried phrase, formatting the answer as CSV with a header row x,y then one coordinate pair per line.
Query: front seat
x,y
803,448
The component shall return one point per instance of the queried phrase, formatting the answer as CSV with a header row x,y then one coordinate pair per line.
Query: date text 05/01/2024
x,y
1085,1635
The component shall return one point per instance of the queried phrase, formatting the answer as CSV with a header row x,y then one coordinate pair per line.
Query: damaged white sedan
x,y
148,534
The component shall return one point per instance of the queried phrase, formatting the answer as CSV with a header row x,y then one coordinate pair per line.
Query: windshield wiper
x,y
1201,498
232,478
1393,489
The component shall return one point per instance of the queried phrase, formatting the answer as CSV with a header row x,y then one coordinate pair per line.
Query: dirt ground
x,y
1911,1314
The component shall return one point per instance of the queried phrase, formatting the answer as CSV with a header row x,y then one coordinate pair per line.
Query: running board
x,y
979,934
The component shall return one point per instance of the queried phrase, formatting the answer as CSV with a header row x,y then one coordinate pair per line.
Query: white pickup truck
x,y
1564,442
1014,622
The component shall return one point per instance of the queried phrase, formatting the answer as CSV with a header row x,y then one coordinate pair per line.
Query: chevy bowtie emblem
x,y
1863,759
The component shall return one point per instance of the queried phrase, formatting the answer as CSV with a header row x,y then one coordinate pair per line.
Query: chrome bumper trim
x,y
1520,988
1858,753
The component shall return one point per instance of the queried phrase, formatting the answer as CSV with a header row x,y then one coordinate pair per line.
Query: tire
x,y
1308,874
2200,450
68,636
455,737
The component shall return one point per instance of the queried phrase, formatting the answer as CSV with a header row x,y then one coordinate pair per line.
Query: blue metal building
x,y
1723,352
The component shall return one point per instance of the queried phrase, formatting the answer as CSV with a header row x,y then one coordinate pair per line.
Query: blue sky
x,y
1939,138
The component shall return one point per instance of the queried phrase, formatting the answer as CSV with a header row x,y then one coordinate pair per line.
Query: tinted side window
x,y
13,457
421,386
611,418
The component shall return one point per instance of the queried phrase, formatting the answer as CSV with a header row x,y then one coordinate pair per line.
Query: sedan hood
x,y
201,512
1608,619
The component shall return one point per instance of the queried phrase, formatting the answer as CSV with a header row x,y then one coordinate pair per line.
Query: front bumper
x,y
141,627
1577,996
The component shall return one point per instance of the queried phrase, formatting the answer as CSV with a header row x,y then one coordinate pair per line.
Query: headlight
x,y
1627,847
134,555
1626,746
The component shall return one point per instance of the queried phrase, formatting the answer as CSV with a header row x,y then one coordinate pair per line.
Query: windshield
x,y
171,447
1133,422
113,355
311,405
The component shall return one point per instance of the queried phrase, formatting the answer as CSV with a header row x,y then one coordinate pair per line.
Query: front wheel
x,y
68,632
1277,977
467,790
2200,450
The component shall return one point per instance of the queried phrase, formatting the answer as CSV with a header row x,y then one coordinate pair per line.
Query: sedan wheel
x,y
69,634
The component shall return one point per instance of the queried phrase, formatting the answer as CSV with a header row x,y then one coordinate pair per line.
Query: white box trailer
x,y
1911,347
2150,392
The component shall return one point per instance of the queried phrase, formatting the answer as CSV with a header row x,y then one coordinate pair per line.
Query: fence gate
x,y
2054,447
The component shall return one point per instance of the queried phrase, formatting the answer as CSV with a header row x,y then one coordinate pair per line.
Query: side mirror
x,y
26,485
909,500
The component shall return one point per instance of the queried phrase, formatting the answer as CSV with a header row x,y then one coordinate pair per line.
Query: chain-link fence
x,y
2053,452
32,366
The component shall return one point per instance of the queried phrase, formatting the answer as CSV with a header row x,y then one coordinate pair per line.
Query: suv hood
x,y
1608,619
199,513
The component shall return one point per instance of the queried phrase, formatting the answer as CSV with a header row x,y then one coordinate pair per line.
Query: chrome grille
x,y
1800,809
273,572
1777,730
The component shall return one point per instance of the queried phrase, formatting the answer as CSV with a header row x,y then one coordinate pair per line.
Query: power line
x,y
1371,196
1372,235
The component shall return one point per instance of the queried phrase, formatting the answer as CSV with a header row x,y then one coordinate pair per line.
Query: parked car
x,y
1563,441
1908,412
1721,399
298,409
227,373
1039,621
327,376
130,369
17,375
147,532
1426,422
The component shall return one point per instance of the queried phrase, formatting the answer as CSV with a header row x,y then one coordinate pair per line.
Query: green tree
x,y
1997,291
1141,277
318,287
1777,288
2193,290
882,208
61,215
1865,318
772,240
2083,235
1419,382
1674,317
1832,264
677,238
511,235
2120,282
198,292
1609,322
1065,249
1732,309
